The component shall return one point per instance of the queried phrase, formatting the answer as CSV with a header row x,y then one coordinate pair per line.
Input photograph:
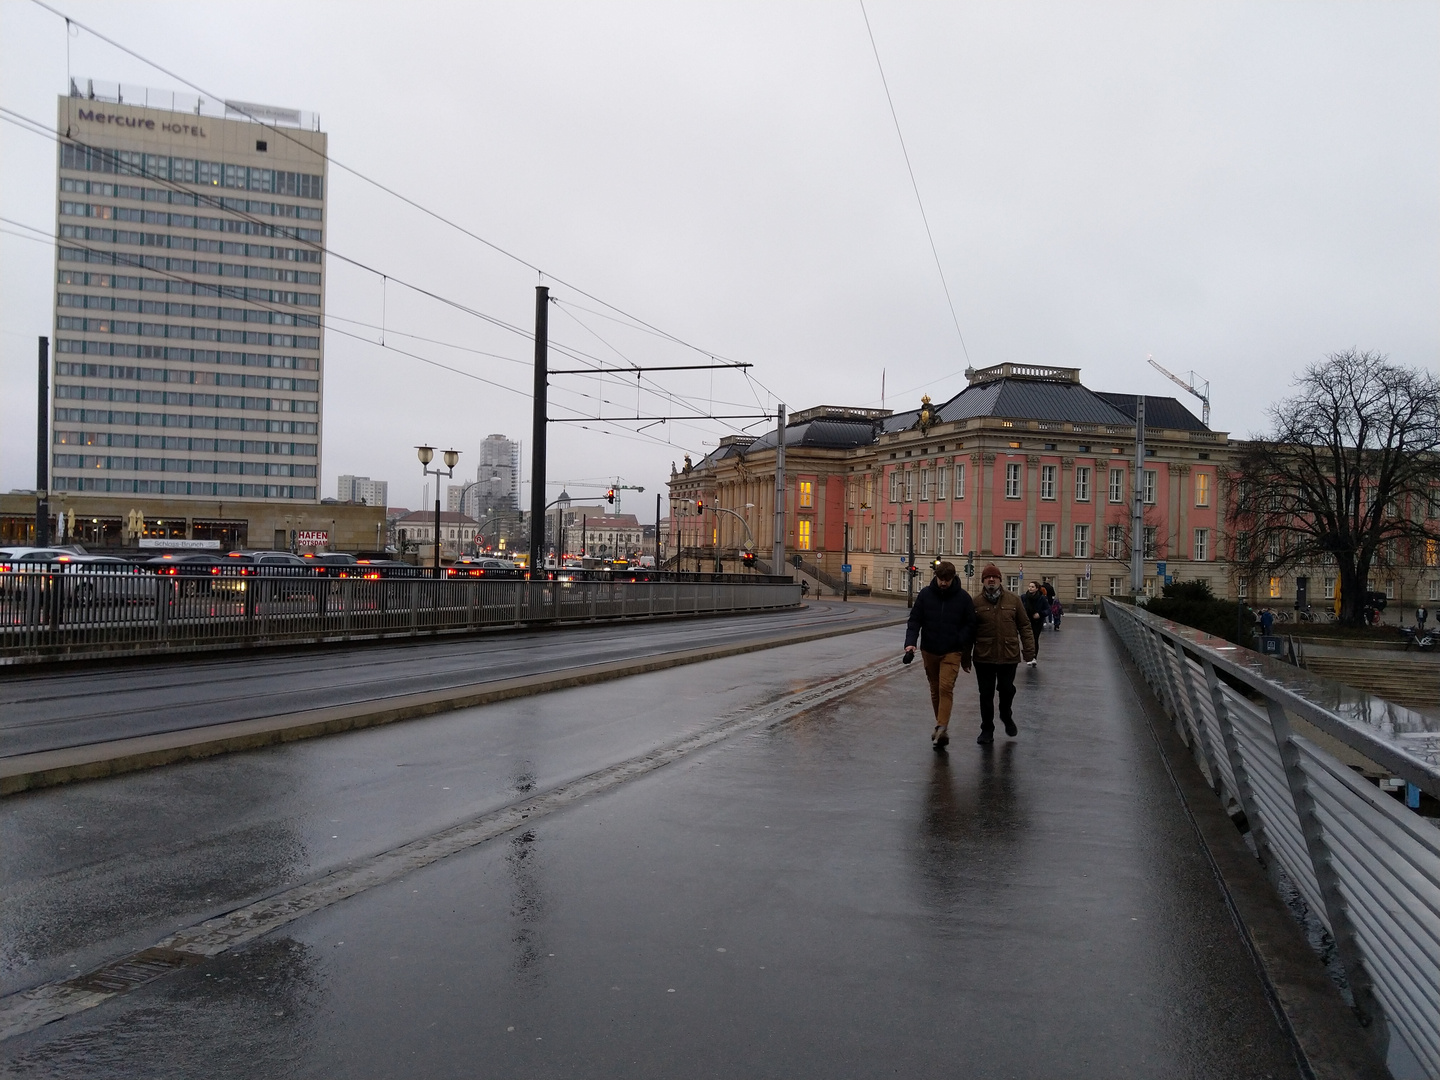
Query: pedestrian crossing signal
x,y
748,558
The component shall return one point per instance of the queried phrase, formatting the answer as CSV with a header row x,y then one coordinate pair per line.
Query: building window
x,y
807,494
1149,539
924,485
1082,483
1202,545
939,538
940,488
1047,541
1013,583
1047,481
1012,538
1082,541
1082,588
1012,480
889,581
1329,588
1117,586
867,539
1242,586
895,485
909,485
923,547
1435,588
1150,483
803,538
1274,588
889,540
864,575
1389,588
1117,485
959,540
1432,553
959,481
1114,541
1202,489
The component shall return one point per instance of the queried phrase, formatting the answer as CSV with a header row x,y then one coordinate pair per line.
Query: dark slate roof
x,y
822,435
1031,399
720,453
1160,412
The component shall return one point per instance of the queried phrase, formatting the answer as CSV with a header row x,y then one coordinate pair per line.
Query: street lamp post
x,y
749,536
426,454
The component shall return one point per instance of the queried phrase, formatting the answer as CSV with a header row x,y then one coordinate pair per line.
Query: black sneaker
x,y
986,738
1010,728
940,738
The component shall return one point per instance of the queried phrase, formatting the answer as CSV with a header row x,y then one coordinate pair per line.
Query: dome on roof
x,y
564,499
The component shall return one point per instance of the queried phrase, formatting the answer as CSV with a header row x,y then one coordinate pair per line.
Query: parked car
x,y
483,567
199,573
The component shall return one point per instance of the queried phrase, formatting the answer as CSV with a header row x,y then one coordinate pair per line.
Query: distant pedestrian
x,y
943,623
1002,639
1267,621
1049,591
1422,615
1037,607
1055,612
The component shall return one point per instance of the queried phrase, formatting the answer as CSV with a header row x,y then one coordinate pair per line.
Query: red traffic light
x,y
610,495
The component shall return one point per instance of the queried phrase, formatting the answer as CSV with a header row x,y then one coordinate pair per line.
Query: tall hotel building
x,y
188,302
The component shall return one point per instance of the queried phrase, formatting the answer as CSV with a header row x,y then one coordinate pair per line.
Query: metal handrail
x,y
46,614
1367,866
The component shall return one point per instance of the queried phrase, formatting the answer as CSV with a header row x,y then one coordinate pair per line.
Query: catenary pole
x,y
537,431
42,449
778,558
1137,509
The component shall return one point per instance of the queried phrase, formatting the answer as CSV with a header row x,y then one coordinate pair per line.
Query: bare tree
x,y
1346,477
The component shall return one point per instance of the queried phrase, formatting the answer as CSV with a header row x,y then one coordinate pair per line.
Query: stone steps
x,y
1412,683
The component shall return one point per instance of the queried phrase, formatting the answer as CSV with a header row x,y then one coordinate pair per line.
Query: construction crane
x,y
1193,386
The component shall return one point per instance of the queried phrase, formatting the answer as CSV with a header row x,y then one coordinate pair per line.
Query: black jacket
x,y
1037,604
942,619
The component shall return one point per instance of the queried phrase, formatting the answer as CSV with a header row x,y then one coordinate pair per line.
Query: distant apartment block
x,y
361,489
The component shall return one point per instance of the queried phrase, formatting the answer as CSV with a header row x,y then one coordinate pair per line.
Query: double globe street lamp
x,y
426,454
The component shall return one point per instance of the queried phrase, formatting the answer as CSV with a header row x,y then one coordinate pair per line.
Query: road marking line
x,y
28,1010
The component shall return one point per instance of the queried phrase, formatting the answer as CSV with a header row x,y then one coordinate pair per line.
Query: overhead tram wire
x,y
35,127
913,183
283,133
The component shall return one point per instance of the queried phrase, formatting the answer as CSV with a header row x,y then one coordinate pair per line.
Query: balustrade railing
x,y
1367,865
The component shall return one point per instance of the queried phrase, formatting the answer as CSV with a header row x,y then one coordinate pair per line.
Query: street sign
x,y
1087,571
1159,569
844,568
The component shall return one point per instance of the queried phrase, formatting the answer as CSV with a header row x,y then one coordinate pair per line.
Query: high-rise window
x,y
1047,481
1082,483
1082,541
1012,538
1012,480
1047,540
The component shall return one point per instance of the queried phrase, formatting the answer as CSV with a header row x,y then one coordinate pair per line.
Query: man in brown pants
x,y
943,622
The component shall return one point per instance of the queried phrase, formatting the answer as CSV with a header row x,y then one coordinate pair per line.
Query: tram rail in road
x,y
115,718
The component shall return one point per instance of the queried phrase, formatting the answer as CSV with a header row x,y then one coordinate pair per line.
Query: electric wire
x,y
913,183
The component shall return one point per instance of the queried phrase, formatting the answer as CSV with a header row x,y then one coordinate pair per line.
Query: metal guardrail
x,y
1368,867
47,614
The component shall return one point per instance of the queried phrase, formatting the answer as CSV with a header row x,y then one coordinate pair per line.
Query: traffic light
x,y
748,558
610,495
699,506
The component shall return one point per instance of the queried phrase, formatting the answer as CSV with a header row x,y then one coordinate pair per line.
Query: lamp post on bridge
x,y
426,454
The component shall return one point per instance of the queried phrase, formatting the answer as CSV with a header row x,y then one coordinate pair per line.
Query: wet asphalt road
x,y
78,706
826,898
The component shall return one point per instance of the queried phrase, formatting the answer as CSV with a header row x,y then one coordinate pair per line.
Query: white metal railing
x,y
46,614
1368,866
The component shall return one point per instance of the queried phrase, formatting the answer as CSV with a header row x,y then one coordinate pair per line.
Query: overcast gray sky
x,y
1234,188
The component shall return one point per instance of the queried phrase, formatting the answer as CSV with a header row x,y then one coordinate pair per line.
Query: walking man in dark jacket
x,y
1037,606
943,622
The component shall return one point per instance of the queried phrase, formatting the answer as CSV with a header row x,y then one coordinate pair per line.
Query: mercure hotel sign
x,y
101,117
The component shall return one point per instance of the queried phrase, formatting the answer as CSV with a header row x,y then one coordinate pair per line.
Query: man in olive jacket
x,y
943,621
1002,639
